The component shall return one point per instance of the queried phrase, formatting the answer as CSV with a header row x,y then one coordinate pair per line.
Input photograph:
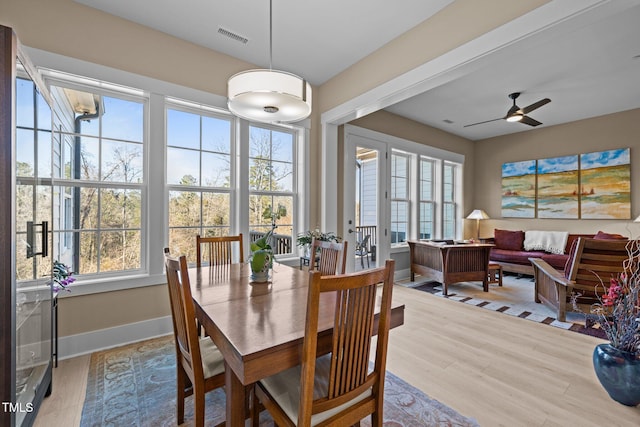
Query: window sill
x,y
396,249
109,284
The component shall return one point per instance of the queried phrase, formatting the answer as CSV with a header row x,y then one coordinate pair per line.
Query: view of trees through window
x,y
199,174
100,182
271,185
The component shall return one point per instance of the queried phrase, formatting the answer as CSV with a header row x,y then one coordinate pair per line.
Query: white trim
x,y
101,339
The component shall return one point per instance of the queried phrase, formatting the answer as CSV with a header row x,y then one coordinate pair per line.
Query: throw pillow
x,y
609,236
509,240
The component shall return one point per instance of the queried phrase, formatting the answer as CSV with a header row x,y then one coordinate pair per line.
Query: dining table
x,y
259,327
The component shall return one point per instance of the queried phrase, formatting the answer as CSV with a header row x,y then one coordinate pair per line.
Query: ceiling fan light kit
x,y
267,95
517,114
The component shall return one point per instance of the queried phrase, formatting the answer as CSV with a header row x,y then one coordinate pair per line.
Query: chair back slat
x,y
218,250
183,314
595,261
353,327
331,257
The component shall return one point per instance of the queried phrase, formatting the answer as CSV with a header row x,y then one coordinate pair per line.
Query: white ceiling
x,y
588,65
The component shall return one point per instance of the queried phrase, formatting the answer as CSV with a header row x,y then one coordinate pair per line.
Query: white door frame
x,y
353,139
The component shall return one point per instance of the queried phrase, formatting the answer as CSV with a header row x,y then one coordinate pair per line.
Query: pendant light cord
x,y
270,34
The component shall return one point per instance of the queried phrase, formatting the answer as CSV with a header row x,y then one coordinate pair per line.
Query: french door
x,y
365,201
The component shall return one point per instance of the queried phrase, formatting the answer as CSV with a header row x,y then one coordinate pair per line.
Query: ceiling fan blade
x,y
535,105
529,121
486,121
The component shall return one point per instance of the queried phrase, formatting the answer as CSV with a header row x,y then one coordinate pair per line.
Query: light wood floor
x,y
500,370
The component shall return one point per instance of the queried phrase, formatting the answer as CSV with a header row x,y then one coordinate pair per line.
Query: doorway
x,y
365,201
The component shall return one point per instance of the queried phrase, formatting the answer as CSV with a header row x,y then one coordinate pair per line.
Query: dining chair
x,y
339,388
200,365
362,250
330,257
218,250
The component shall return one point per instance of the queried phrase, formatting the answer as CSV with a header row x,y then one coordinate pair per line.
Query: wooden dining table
x,y
259,328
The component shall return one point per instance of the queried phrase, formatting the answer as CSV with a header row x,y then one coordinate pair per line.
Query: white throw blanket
x,y
549,241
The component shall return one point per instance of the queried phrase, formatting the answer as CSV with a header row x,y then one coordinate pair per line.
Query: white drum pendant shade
x,y
269,96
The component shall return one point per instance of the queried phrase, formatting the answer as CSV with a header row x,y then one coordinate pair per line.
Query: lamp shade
x,y
269,96
478,214
637,219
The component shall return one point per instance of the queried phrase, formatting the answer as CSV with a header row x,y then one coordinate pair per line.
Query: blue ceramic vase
x,y
619,373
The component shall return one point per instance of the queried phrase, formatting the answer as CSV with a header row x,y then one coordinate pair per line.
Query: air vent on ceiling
x,y
233,36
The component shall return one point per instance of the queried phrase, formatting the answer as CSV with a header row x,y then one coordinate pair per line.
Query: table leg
x,y
236,398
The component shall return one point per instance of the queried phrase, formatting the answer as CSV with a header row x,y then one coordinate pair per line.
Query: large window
x,y
272,185
199,177
399,197
427,200
134,171
99,149
449,201
33,167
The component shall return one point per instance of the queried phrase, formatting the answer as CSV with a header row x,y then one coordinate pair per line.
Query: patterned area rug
x,y
134,385
514,298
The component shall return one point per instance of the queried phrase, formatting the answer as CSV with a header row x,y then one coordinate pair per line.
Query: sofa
x,y
509,250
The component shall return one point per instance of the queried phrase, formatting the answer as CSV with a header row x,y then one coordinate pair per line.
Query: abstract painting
x,y
605,184
558,187
519,189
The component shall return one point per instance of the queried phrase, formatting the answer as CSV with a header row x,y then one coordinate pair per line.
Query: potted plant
x,y
304,239
261,258
617,363
62,276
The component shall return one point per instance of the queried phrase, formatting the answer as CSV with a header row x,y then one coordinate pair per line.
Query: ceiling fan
x,y
517,114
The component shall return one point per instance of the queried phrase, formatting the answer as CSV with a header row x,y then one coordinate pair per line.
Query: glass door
x,y
365,200
33,260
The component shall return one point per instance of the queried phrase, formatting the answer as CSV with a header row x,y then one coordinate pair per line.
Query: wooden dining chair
x,y
340,388
218,250
200,365
330,257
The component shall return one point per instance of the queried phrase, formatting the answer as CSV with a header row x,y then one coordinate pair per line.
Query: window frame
x,y
61,182
232,191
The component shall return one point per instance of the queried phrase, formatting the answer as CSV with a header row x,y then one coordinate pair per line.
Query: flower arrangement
x,y
306,237
62,276
618,311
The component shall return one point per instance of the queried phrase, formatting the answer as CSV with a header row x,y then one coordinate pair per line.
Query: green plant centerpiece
x,y
261,258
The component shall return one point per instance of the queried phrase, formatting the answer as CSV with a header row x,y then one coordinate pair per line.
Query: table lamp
x,y
478,214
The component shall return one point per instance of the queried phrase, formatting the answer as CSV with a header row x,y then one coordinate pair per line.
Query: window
x,y
33,167
399,197
449,201
426,198
135,170
272,185
99,148
199,177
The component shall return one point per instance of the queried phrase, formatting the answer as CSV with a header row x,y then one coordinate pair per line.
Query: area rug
x,y
515,298
134,385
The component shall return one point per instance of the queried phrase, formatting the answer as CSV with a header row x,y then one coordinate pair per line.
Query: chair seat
x,y
284,388
212,360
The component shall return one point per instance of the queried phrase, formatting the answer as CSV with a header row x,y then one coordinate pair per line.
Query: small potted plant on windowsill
x,y
304,239
62,276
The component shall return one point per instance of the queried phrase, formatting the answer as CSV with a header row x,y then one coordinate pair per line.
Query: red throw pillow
x,y
601,235
509,240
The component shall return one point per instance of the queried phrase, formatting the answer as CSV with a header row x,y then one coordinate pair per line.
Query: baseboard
x,y
79,344
402,274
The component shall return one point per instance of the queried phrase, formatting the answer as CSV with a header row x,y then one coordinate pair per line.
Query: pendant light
x,y
269,95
